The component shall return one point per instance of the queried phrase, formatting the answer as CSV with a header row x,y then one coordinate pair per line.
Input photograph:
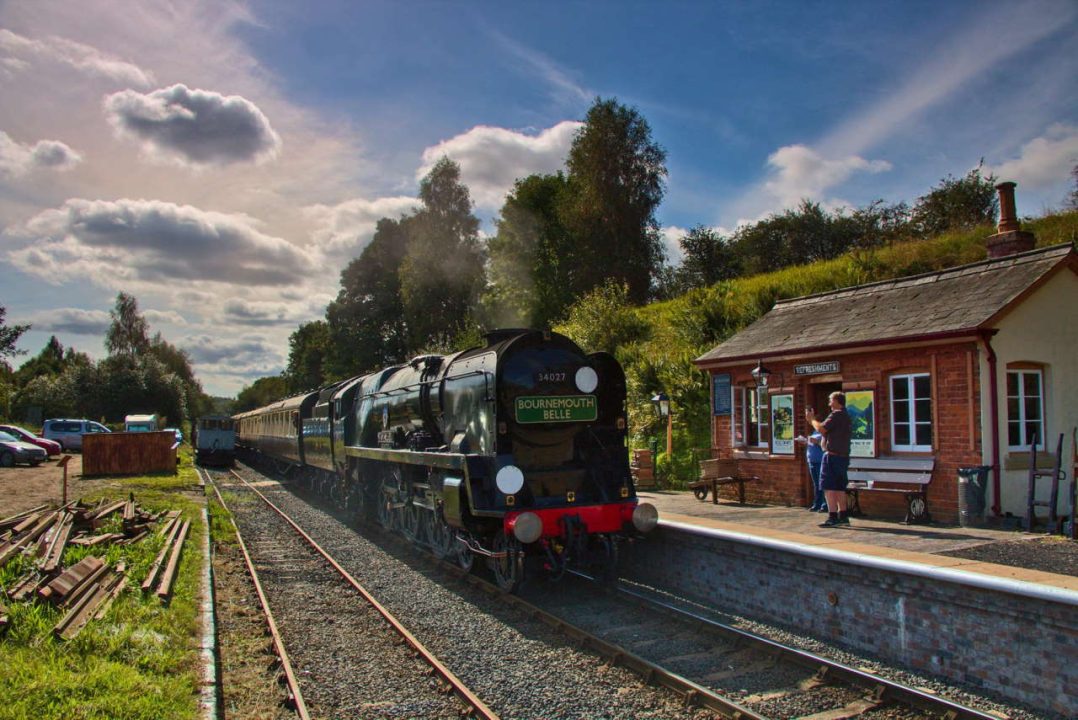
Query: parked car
x,y
13,450
51,447
69,432
177,432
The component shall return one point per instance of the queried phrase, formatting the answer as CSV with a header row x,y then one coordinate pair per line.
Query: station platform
x,y
874,537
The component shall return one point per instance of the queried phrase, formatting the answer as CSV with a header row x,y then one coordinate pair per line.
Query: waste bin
x,y
972,487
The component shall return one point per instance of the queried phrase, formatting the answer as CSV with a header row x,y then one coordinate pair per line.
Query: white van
x,y
69,432
140,423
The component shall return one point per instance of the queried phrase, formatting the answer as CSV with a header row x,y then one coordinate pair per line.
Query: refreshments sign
x,y
561,408
831,366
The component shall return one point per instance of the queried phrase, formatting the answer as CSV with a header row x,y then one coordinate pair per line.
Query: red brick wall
x,y
954,372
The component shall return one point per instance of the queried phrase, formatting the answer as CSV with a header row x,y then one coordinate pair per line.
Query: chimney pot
x,y
1008,239
1008,218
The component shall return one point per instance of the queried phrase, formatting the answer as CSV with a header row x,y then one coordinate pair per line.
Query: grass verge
x,y
141,661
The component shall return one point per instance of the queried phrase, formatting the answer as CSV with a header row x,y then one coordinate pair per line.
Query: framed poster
x,y
861,407
721,398
782,424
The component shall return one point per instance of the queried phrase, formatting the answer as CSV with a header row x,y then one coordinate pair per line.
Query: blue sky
x,y
223,161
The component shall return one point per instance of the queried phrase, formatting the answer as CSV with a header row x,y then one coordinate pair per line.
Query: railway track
x,y
714,670
292,572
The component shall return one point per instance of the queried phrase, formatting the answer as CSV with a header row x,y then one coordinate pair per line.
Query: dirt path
x,y
24,487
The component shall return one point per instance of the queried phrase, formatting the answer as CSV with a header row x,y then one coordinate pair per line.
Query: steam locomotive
x,y
514,452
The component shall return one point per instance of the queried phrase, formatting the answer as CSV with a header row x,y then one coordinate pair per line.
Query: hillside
x,y
657,343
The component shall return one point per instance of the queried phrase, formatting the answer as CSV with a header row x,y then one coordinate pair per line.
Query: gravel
x,y
1052,554
518,666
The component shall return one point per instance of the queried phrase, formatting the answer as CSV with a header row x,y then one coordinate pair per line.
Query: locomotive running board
x,y
445,461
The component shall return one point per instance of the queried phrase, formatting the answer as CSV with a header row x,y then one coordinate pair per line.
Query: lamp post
x,y
662,404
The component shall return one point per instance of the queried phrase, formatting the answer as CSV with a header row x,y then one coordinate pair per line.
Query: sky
x,y
223,161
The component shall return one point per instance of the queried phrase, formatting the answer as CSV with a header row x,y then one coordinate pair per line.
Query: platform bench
x,y
879,474
716,473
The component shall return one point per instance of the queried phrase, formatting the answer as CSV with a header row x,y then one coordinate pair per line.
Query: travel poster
x,y
782,424
861,407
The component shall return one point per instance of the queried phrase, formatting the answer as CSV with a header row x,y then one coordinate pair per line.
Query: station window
x,y
1025,409
911,413
755,417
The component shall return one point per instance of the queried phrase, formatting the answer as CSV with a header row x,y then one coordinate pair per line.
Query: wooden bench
x,y
867,474
715,473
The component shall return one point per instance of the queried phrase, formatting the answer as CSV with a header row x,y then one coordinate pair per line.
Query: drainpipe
x,y
993,403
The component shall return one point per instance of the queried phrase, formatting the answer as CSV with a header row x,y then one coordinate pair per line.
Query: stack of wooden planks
x,y
86,589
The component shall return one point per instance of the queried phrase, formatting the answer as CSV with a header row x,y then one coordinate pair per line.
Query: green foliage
x,y
366,322
308,347
129,332
532,273
956,204
616,176
9,335
707,258
603,320
260,393
442,272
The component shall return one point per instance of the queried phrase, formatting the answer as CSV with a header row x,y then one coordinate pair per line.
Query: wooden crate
x,y
128,453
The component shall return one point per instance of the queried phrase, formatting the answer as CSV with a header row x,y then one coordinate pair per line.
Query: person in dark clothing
x,y
836,430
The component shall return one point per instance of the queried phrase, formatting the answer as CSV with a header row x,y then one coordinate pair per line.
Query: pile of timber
x,y
86,589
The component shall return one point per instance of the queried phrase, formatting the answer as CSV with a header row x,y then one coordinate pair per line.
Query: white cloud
x,y
491,159
20,52
17,159
151,241
800,172
199,127
1044,161
72,320
671,236
343,230
564,88
164,317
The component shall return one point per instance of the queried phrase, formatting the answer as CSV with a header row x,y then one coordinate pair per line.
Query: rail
x,y
475,707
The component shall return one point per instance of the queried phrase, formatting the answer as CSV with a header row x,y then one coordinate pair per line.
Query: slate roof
x,y
948,302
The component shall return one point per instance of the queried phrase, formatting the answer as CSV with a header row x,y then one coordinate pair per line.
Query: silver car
x,y
13,450
69,432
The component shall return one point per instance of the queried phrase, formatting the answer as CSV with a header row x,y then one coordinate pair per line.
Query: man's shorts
x,y
833,472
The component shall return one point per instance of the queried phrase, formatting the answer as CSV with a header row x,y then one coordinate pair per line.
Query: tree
x,y
603,319
50,361
365,324
306,357
531,256
178,362
128,333
261,393
956,204
9,336
616,179
706,259
442,271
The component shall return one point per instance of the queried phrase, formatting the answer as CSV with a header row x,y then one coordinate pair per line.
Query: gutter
x,y
993,403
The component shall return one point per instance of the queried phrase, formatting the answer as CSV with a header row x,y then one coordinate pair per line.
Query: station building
x,y
965,366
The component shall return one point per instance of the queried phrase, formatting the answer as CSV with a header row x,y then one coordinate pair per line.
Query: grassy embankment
x,y
141,661
666,337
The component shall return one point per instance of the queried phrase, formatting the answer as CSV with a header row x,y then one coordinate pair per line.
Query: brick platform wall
x,y
957,442
1006,643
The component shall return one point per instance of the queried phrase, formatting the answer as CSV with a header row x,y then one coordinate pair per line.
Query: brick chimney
x,y
1008,239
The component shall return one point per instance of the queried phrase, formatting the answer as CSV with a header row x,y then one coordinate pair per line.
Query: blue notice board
x,y
720,394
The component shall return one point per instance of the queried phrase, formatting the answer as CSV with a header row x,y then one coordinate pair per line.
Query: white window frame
x,y
1022,420
914,420
753,398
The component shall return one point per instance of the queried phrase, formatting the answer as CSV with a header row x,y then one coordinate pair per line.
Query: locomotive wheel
x,y
508,569
465,556
385,510
440,535
409,522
